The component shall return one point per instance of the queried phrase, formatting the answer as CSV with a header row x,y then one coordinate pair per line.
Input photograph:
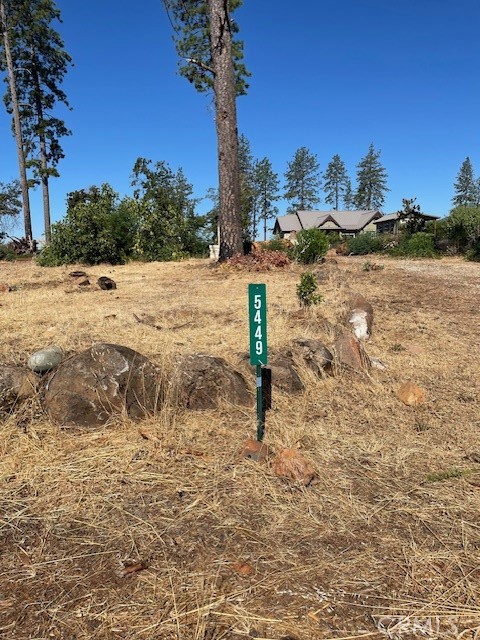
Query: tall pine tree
x,y
212,58
266,189
302,180
371,181
335,181
42,62
7,64
467,192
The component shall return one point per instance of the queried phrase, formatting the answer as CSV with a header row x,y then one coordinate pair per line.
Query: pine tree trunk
x,y
43,156
230,225
18,128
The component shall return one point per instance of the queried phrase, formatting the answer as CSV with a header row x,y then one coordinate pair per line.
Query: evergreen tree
x,y
6,63
247,196
302,180
371,181
266,190
211,57
10,204
39,55
466,187
348,197
335,181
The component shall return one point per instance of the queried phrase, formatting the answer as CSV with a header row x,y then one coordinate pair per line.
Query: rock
x,y
78,274
202,381
45,359
411,394
106,283
350,353
16,384
292,465
284,375
83,283
101,382
378,364
314,354
4,287
361,317
254,450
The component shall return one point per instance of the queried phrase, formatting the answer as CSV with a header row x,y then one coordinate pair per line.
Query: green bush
x,y
418,245
95,231
279,244
364,243
6,252
306,290
474,253
311,245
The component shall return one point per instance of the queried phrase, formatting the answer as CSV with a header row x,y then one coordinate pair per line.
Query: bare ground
x,y
157,530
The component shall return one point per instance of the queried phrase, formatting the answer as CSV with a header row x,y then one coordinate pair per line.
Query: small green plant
x,y
438,476
311,245
306,290
397,347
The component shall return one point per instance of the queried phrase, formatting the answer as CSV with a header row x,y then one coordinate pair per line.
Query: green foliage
x,y
265,182
474,253
467,189
96,230
302,180
306,290
167,227
464,226
336,182
418,245
371,181
311,245
10,204
6,252
364,243
191,22
38,51
411,216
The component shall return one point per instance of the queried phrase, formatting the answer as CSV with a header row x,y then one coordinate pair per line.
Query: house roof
x,y
394,216
343,220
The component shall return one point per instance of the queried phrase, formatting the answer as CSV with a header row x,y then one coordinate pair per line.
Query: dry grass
x,y
135,531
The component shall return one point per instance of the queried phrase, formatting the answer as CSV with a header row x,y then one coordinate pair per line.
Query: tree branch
x,y
201,65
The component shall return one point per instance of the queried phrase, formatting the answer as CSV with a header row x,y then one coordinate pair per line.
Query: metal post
x,y
260,411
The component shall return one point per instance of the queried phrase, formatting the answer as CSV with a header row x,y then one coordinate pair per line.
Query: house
x,y
390,223
346,223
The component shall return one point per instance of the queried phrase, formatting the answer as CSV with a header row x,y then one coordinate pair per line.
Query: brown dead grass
x,y
136,531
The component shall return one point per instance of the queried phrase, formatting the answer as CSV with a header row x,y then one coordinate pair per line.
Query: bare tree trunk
x,y
17,127
230,224
43,156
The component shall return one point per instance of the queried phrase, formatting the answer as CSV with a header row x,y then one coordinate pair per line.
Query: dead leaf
x,y
133,568
242,568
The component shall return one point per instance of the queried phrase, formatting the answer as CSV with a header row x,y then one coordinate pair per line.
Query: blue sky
x,y
331,75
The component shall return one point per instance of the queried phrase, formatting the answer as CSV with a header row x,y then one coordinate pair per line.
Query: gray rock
x,y
45,359
202,382
314,354
16,384
284,374
101,382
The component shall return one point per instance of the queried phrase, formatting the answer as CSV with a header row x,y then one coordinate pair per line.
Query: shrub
x,y
364,243
474,253
6,252
306,290
418,245
311,245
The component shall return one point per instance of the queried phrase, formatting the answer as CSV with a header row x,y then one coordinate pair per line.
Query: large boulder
x,y
101,382
202,382
350,353
16,384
